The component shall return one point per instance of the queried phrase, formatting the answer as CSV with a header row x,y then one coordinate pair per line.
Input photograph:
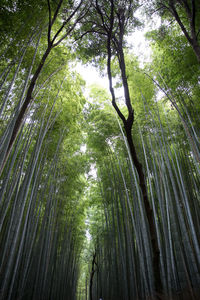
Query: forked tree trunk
x,y
128,124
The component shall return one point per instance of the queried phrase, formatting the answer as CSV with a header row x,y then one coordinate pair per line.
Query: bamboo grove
x,y
99,193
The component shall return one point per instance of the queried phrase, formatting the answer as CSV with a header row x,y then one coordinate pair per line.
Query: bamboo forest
x,y
100,183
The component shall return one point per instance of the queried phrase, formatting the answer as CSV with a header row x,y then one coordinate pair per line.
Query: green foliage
x,y
174,59
15,21
92,36
142,89
102,126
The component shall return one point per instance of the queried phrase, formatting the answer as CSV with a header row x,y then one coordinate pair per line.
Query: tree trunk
x,y
148,210
196,49
92,275
128,123
191,36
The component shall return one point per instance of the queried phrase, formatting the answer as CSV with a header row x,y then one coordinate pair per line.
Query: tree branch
x,y
65,22
191,13
49,26
89,31
71,28
192,23
101,15
112,89
56,12
176,16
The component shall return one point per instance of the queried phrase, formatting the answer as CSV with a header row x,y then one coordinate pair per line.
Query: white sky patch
x,y
137,41
160,95
83,148
140,46
88,235
91,75
93,171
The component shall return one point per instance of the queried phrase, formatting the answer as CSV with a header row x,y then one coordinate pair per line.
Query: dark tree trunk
x,y
92,274
196,49
191,34
148,210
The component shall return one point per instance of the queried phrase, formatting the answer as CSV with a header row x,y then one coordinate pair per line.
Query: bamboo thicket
x,y
172,180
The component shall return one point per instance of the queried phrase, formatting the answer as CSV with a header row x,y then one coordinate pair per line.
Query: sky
x,y
91,75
